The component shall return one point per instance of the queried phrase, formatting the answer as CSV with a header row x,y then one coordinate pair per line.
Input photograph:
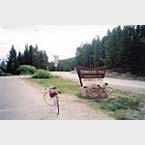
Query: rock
x,y
93,92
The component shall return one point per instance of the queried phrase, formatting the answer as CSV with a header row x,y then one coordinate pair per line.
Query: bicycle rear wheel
x,y
49,100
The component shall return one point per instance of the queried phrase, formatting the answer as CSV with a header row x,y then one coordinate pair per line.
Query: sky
x,y
56,40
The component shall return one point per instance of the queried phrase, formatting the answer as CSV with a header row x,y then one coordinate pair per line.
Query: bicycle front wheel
x,y
56,106
49,100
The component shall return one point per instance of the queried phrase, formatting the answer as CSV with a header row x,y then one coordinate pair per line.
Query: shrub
x,y
118,103
41,74
26,70
3,73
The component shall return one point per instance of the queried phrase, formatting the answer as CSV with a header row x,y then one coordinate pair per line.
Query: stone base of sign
x,y
93,92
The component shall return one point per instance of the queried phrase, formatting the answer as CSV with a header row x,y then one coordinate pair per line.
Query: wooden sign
x,y
90,73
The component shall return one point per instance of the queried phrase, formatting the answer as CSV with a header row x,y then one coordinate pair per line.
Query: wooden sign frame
x,y
90,73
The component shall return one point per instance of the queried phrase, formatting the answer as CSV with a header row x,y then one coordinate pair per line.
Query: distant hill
x,y
64,65
68,64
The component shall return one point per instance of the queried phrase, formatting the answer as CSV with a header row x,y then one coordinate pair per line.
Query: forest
x,y
31,56
122,49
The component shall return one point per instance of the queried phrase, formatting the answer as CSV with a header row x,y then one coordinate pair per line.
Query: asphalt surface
x,y
21,101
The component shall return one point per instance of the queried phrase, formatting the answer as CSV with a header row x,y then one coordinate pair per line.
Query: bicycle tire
x,y
108,90
55,108
57,105
49,100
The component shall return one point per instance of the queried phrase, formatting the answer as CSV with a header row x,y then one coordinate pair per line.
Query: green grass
x,y
121,105
41,74
64,86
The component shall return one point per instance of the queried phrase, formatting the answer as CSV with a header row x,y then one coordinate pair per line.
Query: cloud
x,y
60,40
4,43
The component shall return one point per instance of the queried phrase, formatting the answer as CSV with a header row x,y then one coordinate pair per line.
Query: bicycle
x,y
51,98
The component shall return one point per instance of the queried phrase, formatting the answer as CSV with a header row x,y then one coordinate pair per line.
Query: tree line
x,y
122,49
31,56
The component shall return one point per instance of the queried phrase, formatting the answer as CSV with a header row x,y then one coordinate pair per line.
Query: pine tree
x,y
26,55
11,64
42,60
3,66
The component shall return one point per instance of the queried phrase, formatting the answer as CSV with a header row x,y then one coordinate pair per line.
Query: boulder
x,y
93,92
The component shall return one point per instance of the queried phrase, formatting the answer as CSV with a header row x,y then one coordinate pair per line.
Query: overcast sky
x,y
56,40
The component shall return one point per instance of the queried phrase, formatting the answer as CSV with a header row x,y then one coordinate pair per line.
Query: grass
x,y
41,74
64,86
119,105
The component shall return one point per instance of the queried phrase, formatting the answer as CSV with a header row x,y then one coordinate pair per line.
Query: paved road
x,y
127,85
19,100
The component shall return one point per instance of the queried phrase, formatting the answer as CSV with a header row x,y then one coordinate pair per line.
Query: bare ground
x,y
75,108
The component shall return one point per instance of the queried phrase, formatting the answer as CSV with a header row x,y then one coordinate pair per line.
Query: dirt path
x,y
74,108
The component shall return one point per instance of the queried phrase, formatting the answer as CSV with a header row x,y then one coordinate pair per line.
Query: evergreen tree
x,y
42,60
122,48
11,64
97,53
20,58
3,66
35,59
26,55
31,55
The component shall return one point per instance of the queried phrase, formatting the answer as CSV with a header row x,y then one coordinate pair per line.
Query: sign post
x,y
90,73
56,61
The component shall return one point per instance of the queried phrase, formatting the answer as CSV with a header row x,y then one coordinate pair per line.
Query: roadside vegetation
x,y
41,74
25,62
26,70
119,105
64,86
2,73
